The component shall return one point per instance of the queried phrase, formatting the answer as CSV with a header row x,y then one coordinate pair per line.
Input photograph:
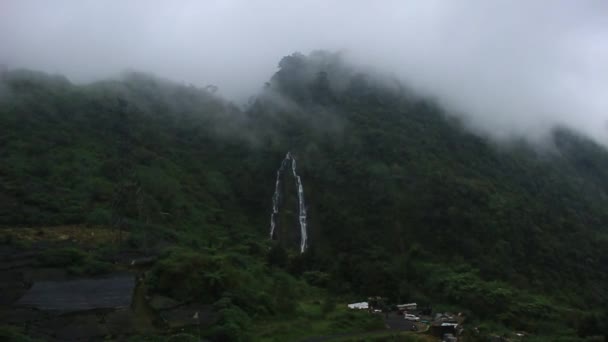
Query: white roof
x,y
406,305
360,305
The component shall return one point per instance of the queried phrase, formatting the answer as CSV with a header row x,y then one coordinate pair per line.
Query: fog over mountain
x,y
507,67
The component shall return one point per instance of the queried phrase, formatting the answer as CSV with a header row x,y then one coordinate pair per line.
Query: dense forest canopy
x,y
403,200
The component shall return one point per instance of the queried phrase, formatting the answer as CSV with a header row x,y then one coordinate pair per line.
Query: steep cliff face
x,y
280,196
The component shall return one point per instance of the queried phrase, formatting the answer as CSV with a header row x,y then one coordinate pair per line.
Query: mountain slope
x,y
400,173
403,201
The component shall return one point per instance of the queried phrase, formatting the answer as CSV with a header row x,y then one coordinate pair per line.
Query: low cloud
x,y
509,68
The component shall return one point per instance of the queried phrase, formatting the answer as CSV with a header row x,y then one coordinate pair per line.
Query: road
x,y
396,322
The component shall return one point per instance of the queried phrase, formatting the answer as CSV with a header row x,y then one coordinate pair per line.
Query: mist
x,y
507,68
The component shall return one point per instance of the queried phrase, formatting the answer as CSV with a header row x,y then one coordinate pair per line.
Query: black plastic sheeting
x,y
82,294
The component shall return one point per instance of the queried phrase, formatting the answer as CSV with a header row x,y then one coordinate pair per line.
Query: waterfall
x,y
275,196
301,204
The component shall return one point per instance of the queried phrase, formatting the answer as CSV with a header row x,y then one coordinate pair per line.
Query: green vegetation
x,y
75,260
385,337
309,320
13,334
404,202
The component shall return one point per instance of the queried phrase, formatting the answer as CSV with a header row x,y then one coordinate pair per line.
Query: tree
x,y
277,256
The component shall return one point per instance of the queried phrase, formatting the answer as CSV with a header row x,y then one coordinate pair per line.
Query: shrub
x,y
329,305
13,334
99,217
183,338
62,257
183,274
233,322
91,266
75,260
316,278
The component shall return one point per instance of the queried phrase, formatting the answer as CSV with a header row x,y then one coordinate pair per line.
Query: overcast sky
x,y
512,67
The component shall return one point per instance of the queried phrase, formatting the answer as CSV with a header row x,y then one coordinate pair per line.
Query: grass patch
x,y
386,337
14,334
75,233
309,320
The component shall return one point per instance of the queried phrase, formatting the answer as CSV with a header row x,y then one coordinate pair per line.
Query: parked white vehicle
x,y
411,317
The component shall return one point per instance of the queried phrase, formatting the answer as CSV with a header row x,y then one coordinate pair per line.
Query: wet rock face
x,y
69,310
91,325
82,294
276,199
51,302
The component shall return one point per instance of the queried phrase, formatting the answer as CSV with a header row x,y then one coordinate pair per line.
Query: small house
x,y
407,307
439,329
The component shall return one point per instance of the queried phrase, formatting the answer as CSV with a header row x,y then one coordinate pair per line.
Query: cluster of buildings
x,y
446,326
442,325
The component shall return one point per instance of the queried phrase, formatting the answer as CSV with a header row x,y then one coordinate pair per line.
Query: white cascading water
x,y
301,203
275,196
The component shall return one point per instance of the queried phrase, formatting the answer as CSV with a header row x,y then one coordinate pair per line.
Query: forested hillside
x,y
403,200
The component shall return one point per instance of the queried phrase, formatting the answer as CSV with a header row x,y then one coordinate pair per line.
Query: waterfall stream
x,y
301,204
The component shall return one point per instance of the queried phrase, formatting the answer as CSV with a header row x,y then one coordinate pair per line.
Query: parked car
x,y
411,317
